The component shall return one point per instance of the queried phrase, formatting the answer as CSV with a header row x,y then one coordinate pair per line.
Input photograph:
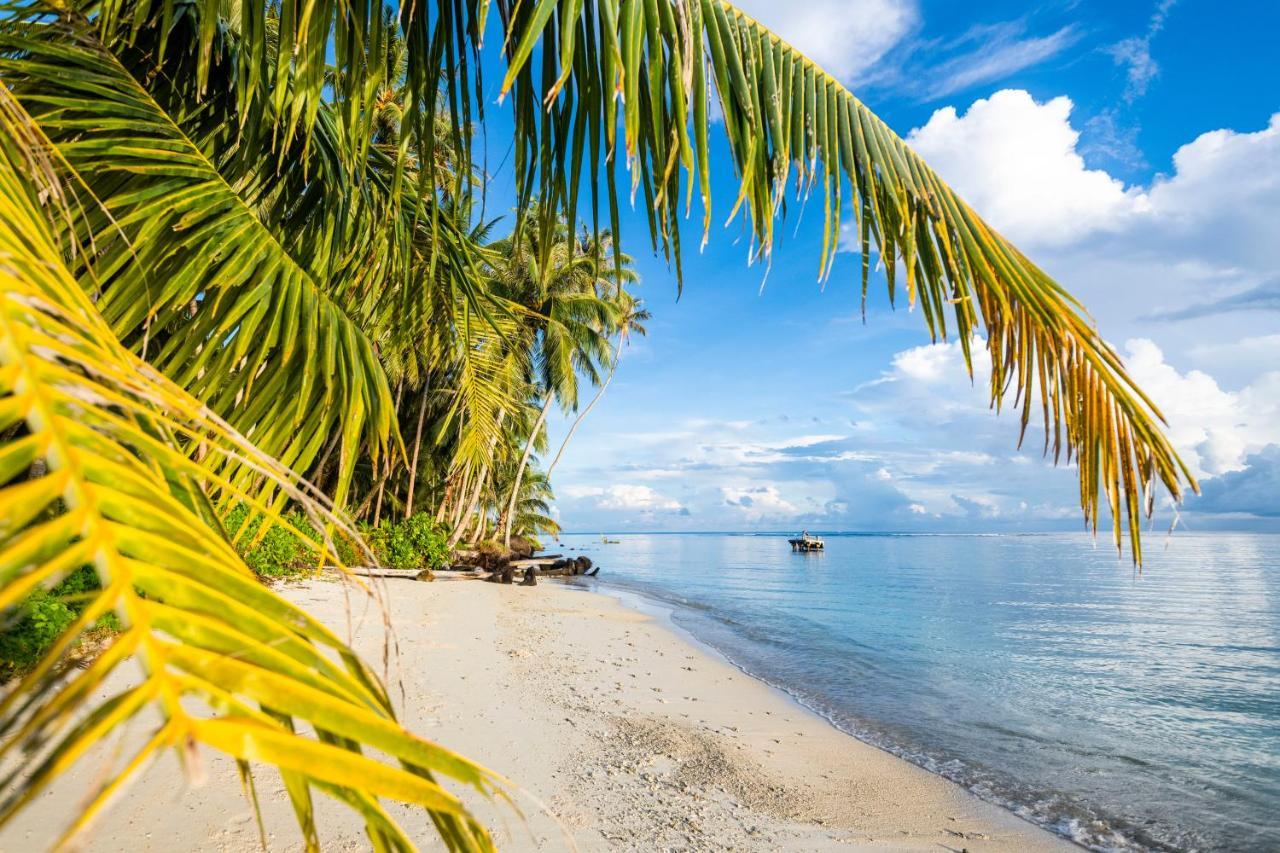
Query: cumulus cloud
x,y
1016,161
1214,429
845,37
625,496
1223,199
758,502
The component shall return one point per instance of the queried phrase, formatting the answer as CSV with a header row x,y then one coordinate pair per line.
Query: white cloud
x,y
845,37
1016,161
928,363
1223,199
1134,54
1213,429
1001,54
757,502
624,496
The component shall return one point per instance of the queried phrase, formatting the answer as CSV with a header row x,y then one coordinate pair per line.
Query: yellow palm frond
x,y
95,470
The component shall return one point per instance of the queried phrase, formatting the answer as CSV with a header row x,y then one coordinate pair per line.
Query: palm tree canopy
x,y
578,70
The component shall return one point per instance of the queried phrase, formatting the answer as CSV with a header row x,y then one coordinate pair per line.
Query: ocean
x,y
1125,711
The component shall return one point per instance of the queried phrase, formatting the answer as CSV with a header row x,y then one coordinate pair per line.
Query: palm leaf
x,y
784,118
185,273
579,68
94,470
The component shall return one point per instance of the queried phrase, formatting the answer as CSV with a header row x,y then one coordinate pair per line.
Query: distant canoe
x,y
806,542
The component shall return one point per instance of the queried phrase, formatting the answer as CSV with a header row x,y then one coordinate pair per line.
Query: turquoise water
x,y
1124,711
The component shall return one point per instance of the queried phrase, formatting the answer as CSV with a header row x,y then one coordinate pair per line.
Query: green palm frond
x,y
184,271
94,470
592,83
784,118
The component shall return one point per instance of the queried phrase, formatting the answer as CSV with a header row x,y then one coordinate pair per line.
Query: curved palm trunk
x,y
509,515
463,523
417,445
450,486
386,465
460,499
612,370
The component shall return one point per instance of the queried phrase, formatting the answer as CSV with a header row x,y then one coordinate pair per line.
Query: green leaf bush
x,y
42,617
278,552
416,542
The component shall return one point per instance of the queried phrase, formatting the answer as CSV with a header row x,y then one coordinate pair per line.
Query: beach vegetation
x,y
415,542
254,321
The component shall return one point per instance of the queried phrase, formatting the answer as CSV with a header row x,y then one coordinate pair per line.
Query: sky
x,y
1131,149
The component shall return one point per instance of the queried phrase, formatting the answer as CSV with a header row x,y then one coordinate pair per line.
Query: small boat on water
x,y
805,542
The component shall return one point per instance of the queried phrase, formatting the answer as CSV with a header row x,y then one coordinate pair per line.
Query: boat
x,y
805,542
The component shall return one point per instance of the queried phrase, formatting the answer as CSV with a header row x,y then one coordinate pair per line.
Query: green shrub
x,y
279,552
42,617
413,543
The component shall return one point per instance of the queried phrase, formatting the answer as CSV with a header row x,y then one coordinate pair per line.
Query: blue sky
x,y
1132,149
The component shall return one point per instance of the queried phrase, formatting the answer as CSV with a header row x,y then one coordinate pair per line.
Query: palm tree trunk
x,y
524,461
612,370
417,445
464,522
450,486
386,467
460,499
323,466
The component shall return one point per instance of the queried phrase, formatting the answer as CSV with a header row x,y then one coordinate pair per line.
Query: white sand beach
x,y
622,734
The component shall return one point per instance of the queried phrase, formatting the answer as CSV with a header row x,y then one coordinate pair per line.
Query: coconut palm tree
x,y
568,323
206,244
632,317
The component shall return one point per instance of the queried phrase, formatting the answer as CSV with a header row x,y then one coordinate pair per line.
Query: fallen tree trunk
x,y
536,562
379,572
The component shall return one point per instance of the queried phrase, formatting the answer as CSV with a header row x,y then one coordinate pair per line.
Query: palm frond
x,y
95,470
184,271
653,67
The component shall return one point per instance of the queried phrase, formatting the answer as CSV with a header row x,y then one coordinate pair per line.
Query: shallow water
x,y
1124,711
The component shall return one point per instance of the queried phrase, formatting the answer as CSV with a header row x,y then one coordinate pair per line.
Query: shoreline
x,y
664,614
625,732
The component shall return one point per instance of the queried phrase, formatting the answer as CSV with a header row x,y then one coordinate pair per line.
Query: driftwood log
x,y
550,566
379,572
